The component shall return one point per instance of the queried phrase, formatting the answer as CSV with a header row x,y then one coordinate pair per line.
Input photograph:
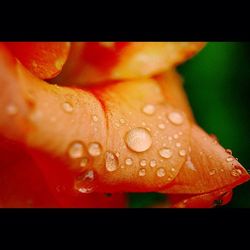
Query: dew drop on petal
x,y
176,136
229,151
161,126
11,109
236,172
212,172
165,153
229,159
122,121
142,172
143,163
76,150
83,182
176,118
161,172
129,162
94,149
178,145
117,154
138,139
111,161
148,109
182,152
67,107
84,162
152,163
95,118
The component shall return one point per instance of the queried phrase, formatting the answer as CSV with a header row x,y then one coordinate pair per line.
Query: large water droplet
x,y
129,162
111,161
142,172
152,163
83,182
11,109
94,149
176,118
76,150
67,107
161,172
143,163
138,139
165,153
148,109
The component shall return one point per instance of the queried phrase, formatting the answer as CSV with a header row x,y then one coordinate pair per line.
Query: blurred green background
x,y
217,82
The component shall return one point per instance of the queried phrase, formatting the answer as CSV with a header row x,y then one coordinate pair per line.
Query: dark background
x,y
217,82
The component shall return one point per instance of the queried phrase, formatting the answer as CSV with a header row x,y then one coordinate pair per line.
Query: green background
x,y
217,82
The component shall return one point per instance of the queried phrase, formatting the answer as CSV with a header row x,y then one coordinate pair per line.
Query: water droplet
x,y
165,153
76,150
173,169
161,126
180,133
95,118
178,145
122,166
11,109
152,163
176,118
142,172
143,163
229,151
94,149
138,139
117,124
212,172
111,161
176,136
117,154
83,182
67,107
84,162
170,138
229,159
189,164
122,121
236,172
148,109
161,172
182,152
129,162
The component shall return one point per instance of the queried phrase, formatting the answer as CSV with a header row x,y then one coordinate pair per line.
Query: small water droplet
x,y
95,118
76,150
138,139
176,136
165,153
143,163
236,172
189,164
182,152
122,121
159,117
222,170
161,126
67,107
152,163
212,172
122,166
11,109
148,109
180,133
83,182
178,145
229,151
170,138
161,172
229,159
176,118
94,149
111,161
129,162
142,172
84,162
173,169
117,154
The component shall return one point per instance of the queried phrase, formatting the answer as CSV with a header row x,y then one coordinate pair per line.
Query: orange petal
x,y
93,62
44,59
208,167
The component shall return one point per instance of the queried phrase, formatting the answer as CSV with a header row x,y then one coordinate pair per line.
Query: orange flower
x,y
118,137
